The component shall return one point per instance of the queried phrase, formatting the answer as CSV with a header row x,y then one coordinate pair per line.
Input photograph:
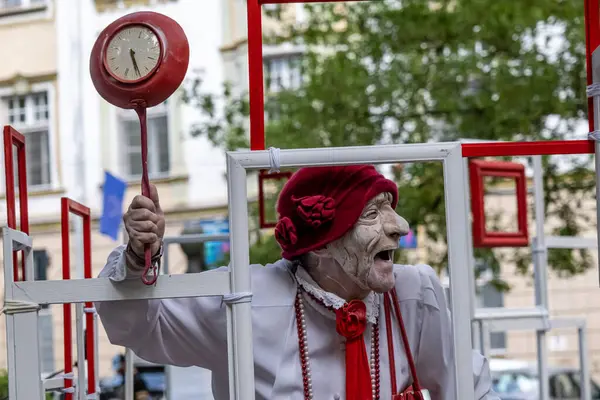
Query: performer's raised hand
x,y
145,223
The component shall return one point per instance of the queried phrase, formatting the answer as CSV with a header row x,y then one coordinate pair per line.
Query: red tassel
x,y
358,374
351,321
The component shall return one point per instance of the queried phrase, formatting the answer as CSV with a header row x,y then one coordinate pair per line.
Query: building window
x,y
19,6
109,5
489,296
30,115
158,143
283,72
270,7
41,262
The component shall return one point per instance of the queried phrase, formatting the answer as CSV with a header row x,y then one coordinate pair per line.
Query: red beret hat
x,y
320,204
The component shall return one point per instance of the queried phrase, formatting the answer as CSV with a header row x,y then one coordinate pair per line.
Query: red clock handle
x,y
140,109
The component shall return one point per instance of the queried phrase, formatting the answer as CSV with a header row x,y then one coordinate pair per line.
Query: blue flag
x,y
409,241
112,211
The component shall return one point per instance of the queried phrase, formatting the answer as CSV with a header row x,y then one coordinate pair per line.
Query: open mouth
x,y
385,255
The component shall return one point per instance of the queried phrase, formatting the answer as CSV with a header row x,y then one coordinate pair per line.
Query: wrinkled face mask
x,y
366,252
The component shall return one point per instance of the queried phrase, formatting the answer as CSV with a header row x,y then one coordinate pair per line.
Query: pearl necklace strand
x,y
303,346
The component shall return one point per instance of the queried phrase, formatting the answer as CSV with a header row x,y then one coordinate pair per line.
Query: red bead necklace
x,y
303,349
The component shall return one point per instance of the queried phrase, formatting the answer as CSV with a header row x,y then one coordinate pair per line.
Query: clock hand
x,y
135,66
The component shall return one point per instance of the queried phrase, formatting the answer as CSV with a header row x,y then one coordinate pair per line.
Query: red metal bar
x,y
69,206
14,138
255,76
306,1
550,147
592,41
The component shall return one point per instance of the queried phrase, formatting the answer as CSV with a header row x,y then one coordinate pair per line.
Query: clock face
x,y
133,54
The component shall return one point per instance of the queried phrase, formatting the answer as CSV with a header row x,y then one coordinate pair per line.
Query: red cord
x,y
390,342
416,393
411,361
140,109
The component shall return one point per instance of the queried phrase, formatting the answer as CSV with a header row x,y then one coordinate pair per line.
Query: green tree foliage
x,y
3,384
410,71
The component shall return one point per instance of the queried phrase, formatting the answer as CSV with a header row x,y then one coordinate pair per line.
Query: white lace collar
x,y
332,300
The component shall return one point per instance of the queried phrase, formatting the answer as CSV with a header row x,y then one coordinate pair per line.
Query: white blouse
x,y
192,332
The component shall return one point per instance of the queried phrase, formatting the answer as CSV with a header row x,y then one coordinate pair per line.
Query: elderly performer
x,y
333,319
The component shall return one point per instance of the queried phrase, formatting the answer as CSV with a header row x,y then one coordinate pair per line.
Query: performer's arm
x,y
482,378
435,362
181,332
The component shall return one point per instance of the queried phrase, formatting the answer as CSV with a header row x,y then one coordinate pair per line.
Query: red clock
x,y
140,57
137,62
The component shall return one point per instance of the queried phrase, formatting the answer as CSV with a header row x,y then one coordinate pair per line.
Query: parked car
x,y
191,383
152,376
518,380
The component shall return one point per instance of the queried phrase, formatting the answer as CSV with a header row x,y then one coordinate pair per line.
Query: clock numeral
x,y
152,58
126,71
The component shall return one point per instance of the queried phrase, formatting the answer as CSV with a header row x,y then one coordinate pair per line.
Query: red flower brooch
x,y
351,320
285,232
315,210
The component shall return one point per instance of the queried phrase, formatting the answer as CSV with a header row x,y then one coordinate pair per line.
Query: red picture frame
x,y
256,80
264,176
478,170
12,139
68,207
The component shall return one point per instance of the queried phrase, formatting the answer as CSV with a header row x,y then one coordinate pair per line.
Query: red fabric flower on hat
x,y
285,232
351,320
315,210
